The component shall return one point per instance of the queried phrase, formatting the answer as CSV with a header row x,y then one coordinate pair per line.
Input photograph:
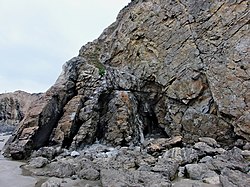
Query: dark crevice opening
x,y
47,123
152,129
227,116
103,101
123,143
67,141
146,110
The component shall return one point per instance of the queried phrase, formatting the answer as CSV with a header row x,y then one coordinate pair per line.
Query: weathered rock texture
x,y
13,106
163,69
136,166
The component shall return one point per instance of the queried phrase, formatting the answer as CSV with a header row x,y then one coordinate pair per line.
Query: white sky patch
x,y
27,85
38,36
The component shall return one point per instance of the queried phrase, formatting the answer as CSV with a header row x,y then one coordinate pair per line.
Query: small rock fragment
x,y
74,154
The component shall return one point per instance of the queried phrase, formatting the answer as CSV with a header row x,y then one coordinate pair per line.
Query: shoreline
x,y
11,173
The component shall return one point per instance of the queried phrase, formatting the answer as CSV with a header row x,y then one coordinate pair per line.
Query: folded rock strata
x,y
163,69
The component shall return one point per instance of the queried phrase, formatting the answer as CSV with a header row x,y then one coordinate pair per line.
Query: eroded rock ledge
x,y
163,69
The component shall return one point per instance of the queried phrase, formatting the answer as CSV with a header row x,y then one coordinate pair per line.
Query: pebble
x,y
74,154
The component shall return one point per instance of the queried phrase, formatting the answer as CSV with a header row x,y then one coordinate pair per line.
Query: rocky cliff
x,y
13,107
162,94
163,69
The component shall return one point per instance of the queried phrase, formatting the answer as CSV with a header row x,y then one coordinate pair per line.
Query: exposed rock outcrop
x,y
163,69
13,107
135,166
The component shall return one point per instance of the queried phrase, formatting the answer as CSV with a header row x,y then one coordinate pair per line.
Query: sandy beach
x,y
11,173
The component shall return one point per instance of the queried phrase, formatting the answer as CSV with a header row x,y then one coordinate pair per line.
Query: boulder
x,y
182,155
167,168
47,152
64,168
204,148
89,174
51,183
209,141
199,172
133,178
233,178
212,180
38,162
157,145
192,183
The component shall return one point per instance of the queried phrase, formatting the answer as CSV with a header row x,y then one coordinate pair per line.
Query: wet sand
x,y
11,173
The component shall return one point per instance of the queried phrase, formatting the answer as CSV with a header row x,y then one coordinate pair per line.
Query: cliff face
x,y
13,107
164,68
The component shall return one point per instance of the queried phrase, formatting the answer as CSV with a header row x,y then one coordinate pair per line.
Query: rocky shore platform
x,y
159,162
14,174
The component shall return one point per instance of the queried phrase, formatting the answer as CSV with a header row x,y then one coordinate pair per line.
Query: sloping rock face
x,y
163,69
13,107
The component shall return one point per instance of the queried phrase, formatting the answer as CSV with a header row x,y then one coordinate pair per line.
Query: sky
x,y
38,36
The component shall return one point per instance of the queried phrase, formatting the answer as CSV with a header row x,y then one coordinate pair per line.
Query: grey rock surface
x,y
136,167
89,174
132,178
193,183
235,178
199,171
182,155
38,162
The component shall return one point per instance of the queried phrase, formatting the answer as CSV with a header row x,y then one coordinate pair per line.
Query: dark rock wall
x,y
164,68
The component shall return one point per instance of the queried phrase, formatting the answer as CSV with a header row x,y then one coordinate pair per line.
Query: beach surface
x,y
10,171
11,175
